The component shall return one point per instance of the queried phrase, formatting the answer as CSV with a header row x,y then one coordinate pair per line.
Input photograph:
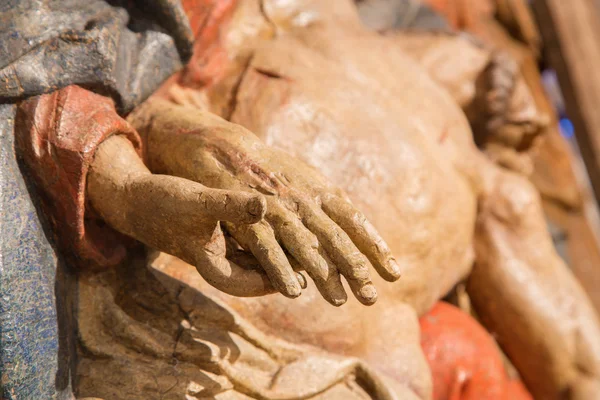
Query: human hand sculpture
x,y
307,222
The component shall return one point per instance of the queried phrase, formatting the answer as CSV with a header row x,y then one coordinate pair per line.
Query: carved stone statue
x,y
294,143
357,107
46,46
85,161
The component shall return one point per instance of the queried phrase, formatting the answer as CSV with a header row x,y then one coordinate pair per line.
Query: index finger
x,y
364,235
260,240
344,254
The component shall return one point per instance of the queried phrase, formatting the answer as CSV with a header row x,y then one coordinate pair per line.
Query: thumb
x,y
186,197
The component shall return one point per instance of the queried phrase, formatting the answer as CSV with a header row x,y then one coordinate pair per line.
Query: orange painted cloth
x,y
57,134
207,19
464,360
462,14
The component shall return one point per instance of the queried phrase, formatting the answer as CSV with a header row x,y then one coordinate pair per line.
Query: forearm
x,y
172,214
161,211
115,168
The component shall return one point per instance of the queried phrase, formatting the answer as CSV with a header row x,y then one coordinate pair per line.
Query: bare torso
x,y
400,147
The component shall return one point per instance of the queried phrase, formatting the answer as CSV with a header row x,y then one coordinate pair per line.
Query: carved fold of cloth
x,y
156,329
123,49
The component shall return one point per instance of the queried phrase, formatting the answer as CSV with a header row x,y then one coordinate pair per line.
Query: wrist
x,y
115,168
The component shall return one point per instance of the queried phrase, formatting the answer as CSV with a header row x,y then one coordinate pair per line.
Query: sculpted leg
x,y
525,294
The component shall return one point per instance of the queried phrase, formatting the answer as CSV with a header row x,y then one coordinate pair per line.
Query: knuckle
x,y
382,249
358,266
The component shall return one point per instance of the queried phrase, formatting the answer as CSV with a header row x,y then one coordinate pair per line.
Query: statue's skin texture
x,y
427,170
483,79
43,47
379,125
312,219
478,67
557,172
159,331
86,162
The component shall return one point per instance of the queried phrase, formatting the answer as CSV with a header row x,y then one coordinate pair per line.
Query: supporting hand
x,y
308,222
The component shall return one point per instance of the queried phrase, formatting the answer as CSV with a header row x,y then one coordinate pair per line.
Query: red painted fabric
x,y
207,19
463,14
464,360
56,136
58,133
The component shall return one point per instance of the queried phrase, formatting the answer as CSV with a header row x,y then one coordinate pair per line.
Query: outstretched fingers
x,y
232,279
260,240
226,275
303,246
364,235
343,253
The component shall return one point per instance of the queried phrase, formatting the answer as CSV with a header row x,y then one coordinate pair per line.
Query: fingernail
x,y
338,302
301,280
367,294
334,294
396,271
292,291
